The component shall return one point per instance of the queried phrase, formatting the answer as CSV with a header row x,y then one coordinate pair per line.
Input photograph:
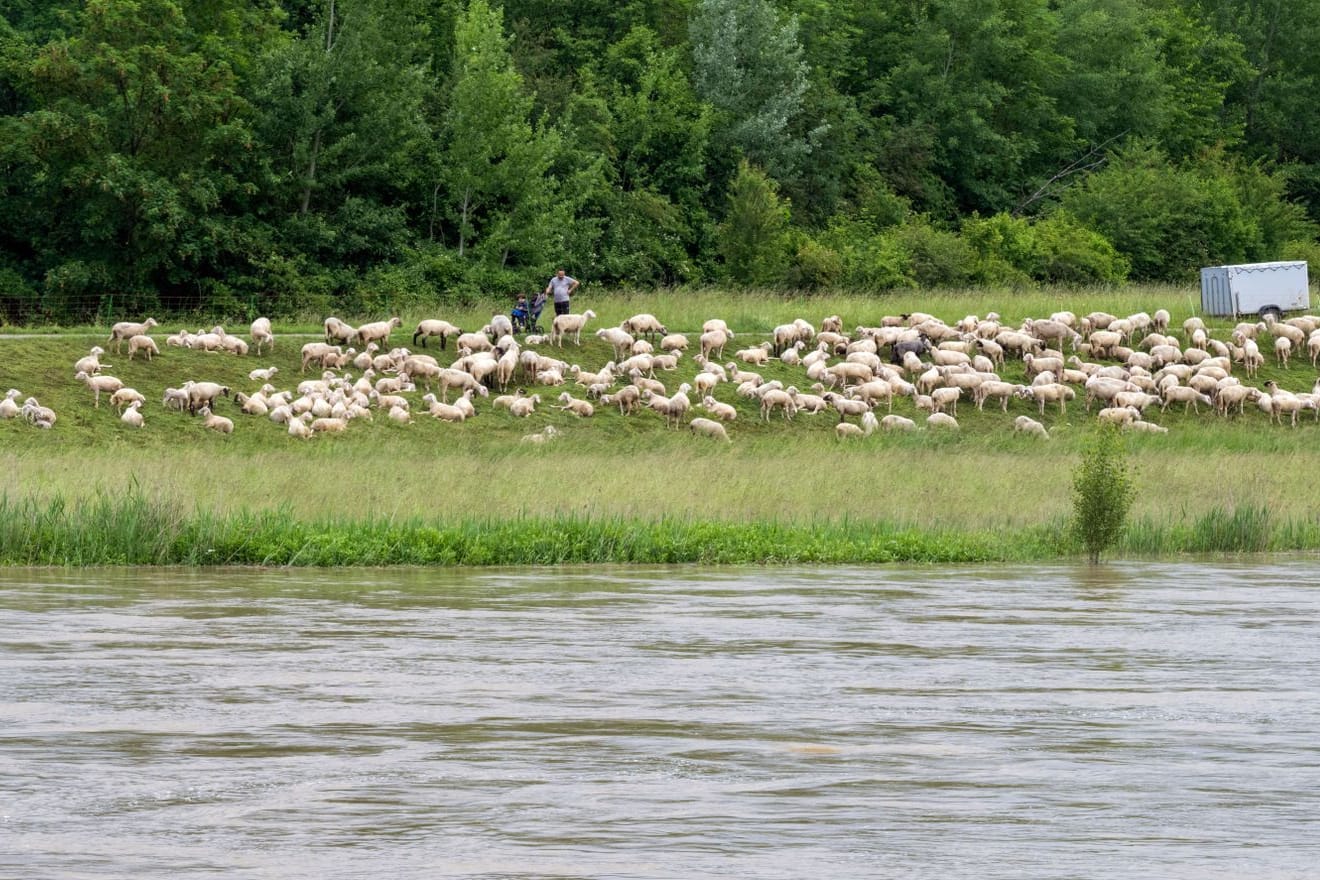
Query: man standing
x,y
562,286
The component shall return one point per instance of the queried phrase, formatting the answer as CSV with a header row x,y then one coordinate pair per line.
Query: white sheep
x,y
674,342
524,406
124,396
202,394
219,424
142,343
99,385
722,411
261,334
580,408
263,375
37,415
892,422
131,416
329,425
566,324
8,408
708,428
435,327
942,421
127,330
1028,425
300,428
91,363
546,435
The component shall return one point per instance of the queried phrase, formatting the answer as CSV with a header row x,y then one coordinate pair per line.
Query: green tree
x,y
493,163
753,238
129,166
749,67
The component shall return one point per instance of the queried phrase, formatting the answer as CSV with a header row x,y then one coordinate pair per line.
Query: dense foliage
x,y
292,155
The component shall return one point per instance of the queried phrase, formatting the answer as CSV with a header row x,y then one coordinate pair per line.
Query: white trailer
x,y
1255,289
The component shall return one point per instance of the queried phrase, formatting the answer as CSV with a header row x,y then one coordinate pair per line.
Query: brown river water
x,y
1141,720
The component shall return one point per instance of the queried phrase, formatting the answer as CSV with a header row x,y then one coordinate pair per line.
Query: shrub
x,y
1102,494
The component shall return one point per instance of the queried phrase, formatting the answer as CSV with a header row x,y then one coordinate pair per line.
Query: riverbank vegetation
x,y
310,157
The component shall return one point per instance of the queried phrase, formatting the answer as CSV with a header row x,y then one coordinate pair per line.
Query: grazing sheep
x,y
621,339
142,343
1028,425
708,428
131,416
628,399
219,424
377,331
435,327
127,330
644,325
1187,396
202,394
124,396
566,324
1283,350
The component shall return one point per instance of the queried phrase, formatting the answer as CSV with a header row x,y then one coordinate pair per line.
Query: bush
x,y
867,261
814,266
936,257
1069,253
1102,494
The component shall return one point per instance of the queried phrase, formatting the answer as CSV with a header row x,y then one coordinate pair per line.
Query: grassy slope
x,y
633,468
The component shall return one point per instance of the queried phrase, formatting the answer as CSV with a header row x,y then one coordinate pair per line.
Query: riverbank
x,y
623,488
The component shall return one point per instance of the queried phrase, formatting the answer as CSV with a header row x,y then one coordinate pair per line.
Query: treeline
x,y
307,155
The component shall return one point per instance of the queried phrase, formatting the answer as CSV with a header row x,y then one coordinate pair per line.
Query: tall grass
x,y
135,530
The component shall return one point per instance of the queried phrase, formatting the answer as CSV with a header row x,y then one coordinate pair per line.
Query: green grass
x,y
1203,487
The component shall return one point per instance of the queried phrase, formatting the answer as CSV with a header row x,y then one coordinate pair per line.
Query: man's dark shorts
x,y
561,308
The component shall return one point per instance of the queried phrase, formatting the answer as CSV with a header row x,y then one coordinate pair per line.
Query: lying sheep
x,y
219,424
37,415
8,408
91,363
580,408
892,422
131,416
546,435
708,428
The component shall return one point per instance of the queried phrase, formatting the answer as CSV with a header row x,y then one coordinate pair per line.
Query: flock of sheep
x,y
1127,365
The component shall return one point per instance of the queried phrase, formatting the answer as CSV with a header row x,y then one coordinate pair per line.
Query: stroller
x,y
526,318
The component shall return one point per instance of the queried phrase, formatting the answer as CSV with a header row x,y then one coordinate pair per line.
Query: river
x,y
1137,720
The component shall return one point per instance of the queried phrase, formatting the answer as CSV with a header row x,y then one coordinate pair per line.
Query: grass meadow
x,y
620,488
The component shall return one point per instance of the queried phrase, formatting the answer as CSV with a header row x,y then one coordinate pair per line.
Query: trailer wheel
x,y
1271,313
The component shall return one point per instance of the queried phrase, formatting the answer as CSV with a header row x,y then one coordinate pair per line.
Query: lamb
x,y
175,398
99,384
127,330
263,375
708,428
219,424
627,399
9,409
844,430
125,396
546,435
262,335
580,408
91,363
566,324
131,416
142,343
1028,425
